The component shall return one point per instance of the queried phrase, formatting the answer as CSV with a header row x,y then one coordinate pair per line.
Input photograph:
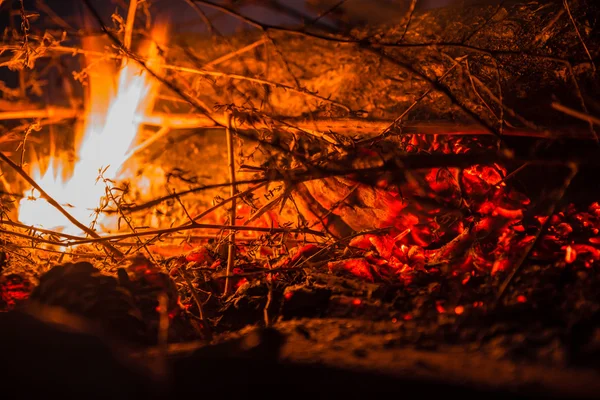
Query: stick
x,y
317,127
203,16
408,18
193,291
129,23
576,114
160,133
417,101
165,231
49,112
55,204
235,53
40,230
302,91
232,193
33,238
566,3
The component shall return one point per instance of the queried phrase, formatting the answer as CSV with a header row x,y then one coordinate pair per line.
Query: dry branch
x,y
319,127
232,193
192,226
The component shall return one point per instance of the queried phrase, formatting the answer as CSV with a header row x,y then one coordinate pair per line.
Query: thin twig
x,y
235,53
408,18
159,134
576,114
57,113
414,104
32,238
299,90
56,205
129,23
317,127
37,229
122,215
193,291
203,16
566,3
193,226
232,193
357,41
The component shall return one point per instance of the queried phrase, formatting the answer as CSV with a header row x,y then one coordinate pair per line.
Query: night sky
x,y
184,18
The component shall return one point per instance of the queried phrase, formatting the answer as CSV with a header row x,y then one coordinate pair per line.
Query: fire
x,y
110,131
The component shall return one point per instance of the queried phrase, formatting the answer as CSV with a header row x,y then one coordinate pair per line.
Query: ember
x,y
355,193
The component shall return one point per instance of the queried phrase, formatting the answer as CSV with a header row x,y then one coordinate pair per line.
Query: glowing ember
x,y
110,132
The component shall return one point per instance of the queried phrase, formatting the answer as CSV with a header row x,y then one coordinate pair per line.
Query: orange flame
x,y
110,132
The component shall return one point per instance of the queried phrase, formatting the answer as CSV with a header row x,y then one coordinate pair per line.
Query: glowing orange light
x,y
110,130
570,255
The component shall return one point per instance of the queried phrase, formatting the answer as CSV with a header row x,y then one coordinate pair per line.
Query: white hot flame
x,y
104,147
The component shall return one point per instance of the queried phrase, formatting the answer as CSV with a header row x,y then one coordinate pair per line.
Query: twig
x,y
193,291
566,3
41,230
484,24
266,316
58,20
355,41
49,112
211,209
232,193
129,23
122,214
32,238
195,225
299,90
160,133
521,260
235,53
152,203
325,13
576,114
203,16
56,205
337,204
408,18
414,104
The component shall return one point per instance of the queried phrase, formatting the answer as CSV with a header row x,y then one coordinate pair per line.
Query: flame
x,y
109,133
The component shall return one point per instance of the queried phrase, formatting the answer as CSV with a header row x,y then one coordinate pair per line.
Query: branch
x,y
192,226
129,23
302,91
576,114
232,193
